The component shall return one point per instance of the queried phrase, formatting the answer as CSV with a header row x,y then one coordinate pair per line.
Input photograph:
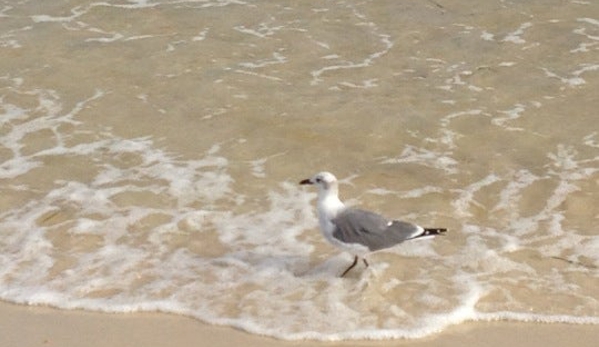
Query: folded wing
x,y
372,230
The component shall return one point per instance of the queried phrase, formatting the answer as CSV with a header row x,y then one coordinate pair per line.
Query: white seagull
x,y
358,231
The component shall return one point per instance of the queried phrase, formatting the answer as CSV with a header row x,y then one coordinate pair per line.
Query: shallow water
x,y
150,153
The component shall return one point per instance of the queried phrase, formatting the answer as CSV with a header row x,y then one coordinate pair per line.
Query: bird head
x,y
323,180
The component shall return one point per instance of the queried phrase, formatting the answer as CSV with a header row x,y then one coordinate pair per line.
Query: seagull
x,y
358,231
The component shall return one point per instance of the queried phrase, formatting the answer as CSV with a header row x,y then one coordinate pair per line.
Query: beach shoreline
x,y
22,325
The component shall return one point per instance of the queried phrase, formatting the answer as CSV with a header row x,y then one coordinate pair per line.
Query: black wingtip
x,y
434,231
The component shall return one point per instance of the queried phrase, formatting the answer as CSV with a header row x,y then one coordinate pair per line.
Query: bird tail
x,y
428,232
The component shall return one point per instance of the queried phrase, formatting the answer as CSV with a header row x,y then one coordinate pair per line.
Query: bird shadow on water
x,y
330,268
303,268
585,264
334,267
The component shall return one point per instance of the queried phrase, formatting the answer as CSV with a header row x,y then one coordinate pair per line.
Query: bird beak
x,y
306,181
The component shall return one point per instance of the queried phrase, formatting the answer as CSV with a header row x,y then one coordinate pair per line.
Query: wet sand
x,y
42,326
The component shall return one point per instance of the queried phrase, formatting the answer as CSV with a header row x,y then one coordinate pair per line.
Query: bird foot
x,y
354,264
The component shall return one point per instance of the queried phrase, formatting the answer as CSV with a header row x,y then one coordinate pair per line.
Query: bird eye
x,y
318,180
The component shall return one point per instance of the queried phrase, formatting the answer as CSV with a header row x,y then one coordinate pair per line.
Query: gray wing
x,y
371,230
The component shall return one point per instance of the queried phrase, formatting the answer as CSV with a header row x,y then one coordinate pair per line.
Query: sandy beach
x,y
26,326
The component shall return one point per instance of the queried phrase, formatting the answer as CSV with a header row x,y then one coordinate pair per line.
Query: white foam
x,y
589,21
487,36
202,35
422,156
512,193
277,58
511,114
516,36
575,80
466,199
361,62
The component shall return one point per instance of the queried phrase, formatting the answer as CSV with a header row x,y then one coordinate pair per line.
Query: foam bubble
x,y
422,156
515,36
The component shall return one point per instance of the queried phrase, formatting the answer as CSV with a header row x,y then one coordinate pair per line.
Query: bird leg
x,y
350,267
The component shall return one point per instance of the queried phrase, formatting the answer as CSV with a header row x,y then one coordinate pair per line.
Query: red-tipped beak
x,y
306,181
